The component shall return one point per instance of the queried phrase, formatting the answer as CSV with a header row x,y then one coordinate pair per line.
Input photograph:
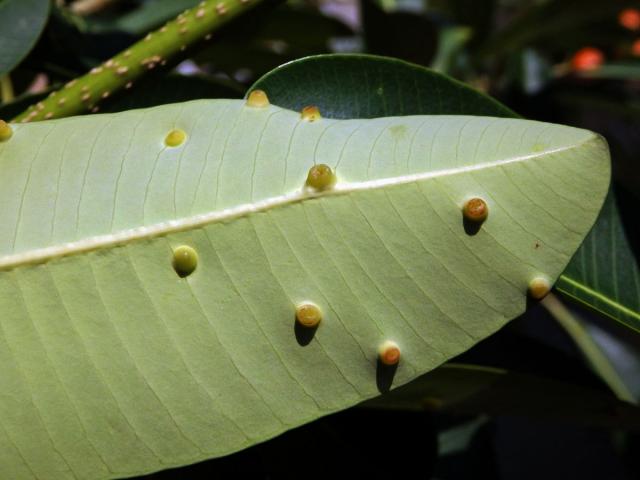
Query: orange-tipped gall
x,y
308,315
539,287
310,113
258,99
389,353
475,210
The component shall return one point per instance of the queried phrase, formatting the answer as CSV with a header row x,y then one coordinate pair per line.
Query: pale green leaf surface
x,y
113,365
366,86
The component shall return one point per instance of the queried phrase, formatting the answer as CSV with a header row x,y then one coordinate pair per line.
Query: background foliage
x,y
566,61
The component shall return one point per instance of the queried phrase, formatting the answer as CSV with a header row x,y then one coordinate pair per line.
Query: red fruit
x,y
587,58
630,18
635,48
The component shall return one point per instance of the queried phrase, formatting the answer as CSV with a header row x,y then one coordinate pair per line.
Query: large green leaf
x,y
604,274
364,86
114,365
21,22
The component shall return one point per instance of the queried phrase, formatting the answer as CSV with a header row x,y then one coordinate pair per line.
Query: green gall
x,y
5,131
175,138
321,177
185,260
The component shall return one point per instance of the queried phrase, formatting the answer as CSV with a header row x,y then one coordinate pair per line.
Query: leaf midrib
x,y
41,255
599,296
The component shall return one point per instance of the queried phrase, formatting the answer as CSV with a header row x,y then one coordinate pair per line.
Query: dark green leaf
x,y
21,22
604,273
366,86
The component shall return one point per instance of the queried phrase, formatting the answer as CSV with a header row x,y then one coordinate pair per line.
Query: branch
x,y
84,93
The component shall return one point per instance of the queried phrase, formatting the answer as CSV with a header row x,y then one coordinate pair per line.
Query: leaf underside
x,y
113,365
603,273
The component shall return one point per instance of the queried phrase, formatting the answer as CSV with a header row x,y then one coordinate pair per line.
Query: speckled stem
x,y
85,93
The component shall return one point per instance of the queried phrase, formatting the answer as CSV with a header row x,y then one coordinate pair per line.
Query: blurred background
x,y
529,402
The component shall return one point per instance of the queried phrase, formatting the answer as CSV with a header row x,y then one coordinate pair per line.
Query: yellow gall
x,y
175,138
200,13
221,9
389,353
321,177
539,287
308,315
185,260
5,131
122,70
310,113
48,116
475,210
258,99
62,101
